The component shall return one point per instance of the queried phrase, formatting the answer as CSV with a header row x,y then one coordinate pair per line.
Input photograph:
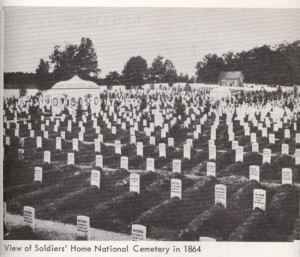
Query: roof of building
x,y
230,75
75,83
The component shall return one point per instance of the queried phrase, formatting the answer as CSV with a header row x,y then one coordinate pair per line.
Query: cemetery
x,y
155,164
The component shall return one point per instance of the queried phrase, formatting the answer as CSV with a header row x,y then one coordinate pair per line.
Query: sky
x,y
183,35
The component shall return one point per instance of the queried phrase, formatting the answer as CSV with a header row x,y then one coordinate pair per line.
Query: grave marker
x,y
83,226
38,174
220,194
47,157
267,155
135,183
39,142
71,159
139,149
176,166
255,147
138,232
287,176
171,141
254,173
211,169
75,144
99,161
95,178
239,154
176,188
29,216
97,146
150,164
58,143
259,199
212,153
124,162
187,151
162,150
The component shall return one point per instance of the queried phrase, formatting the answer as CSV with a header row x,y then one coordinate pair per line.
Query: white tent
x,y
75,83
219,93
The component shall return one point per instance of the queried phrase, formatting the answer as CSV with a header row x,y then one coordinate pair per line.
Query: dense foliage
x,y
262,65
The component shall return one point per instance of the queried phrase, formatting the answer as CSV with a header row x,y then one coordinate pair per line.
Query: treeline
x,y
261,65
14,79
277,65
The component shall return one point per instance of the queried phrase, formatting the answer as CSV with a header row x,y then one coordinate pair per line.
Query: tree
x,y
74,59
43,77
157,70
183,78
170,73
209,68
135,71
112,78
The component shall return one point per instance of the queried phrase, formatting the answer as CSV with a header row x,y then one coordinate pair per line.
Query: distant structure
x,y
75,83
231,78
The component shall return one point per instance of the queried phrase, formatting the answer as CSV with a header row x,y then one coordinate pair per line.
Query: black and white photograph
x,y
151,124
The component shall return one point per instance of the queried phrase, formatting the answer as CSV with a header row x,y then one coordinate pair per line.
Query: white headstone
x,y
272,138
150,164
135,183
211,169
58,143
297,138
176,166
255,147
99,161
259,199
83,226
176,188
75,144
253,137
39,142
234,144
187,151
287,176
297,156
212,153
287,133
95,178
267,155
38,174
139,149
117,147
138,232
124,162
47,156
220,194
97,146
29,216
254,173
239,154
162,150
285,149
171,141
71,159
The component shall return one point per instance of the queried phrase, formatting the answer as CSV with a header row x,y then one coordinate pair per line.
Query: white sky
x,y
183,35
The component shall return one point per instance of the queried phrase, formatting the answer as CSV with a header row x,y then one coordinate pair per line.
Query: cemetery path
x,y
59,231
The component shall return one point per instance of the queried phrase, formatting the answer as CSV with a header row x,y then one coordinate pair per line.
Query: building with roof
x,y
231,78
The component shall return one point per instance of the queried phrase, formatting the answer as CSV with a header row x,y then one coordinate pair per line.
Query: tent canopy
x,y
75,83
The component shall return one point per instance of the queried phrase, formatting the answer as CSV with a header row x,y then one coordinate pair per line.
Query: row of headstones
x,y
254,170
139,231
162,148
